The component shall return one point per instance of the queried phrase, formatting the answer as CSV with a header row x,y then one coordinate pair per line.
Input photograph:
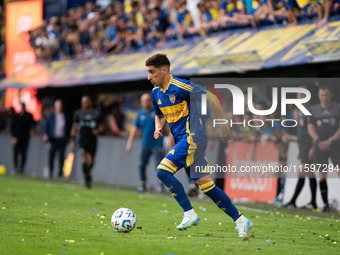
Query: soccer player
x,y
174,101
324,128
146,121
88,123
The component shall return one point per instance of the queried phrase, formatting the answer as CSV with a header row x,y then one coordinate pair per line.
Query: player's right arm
x,y
159,124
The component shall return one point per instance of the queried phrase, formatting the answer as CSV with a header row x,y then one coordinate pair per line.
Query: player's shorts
x,y
189,152
304,147
88,145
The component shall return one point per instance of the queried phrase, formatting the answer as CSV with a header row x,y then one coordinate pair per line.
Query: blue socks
x,y
221,199
216,194
175,187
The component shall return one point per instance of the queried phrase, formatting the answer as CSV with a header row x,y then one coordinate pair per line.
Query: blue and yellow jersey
x,y
178,104
214,13
296,5
254,5
184,16
232,7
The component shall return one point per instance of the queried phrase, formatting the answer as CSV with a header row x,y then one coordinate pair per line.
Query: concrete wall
x,y
112,164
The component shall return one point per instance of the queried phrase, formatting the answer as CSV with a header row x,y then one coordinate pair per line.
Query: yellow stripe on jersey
x,y
171,79
174,112
182,85
187,126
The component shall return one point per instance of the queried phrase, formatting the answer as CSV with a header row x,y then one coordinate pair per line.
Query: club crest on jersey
x,y
172,98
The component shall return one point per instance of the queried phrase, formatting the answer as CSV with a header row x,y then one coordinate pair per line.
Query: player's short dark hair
x,y
158,60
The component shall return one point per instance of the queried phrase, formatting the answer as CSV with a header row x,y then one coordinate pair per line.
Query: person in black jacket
x,y
57,132
21,126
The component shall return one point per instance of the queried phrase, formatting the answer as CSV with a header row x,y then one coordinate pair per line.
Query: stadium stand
x,y
90,30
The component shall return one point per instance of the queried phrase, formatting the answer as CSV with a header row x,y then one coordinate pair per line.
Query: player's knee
x,y
207,186
162,174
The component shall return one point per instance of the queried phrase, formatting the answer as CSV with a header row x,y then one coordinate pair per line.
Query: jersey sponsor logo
x,y
175,112
172,152
172,98
159,101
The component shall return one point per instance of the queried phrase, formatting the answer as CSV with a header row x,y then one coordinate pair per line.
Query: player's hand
x,y
14,140
325,145
225,133
158,134
128,148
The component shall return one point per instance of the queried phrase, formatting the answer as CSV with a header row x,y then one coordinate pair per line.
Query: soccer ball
x,y
123,220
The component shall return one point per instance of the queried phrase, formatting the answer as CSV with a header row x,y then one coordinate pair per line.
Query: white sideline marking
x,y
264,211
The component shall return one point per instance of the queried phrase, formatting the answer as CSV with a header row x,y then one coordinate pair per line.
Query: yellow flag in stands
x,y
68,164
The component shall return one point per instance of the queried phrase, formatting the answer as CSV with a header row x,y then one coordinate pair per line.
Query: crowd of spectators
x,y
118,26
92,30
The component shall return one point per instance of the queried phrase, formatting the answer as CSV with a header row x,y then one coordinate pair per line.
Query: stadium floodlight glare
x,y
323,50
238,61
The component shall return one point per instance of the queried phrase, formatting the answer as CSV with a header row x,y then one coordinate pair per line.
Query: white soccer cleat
x,y
244,227
188,221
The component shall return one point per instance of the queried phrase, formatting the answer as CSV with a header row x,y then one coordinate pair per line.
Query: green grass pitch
x,y
44,217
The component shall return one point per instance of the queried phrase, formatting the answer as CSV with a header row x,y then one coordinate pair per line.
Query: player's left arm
x,y
218,110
